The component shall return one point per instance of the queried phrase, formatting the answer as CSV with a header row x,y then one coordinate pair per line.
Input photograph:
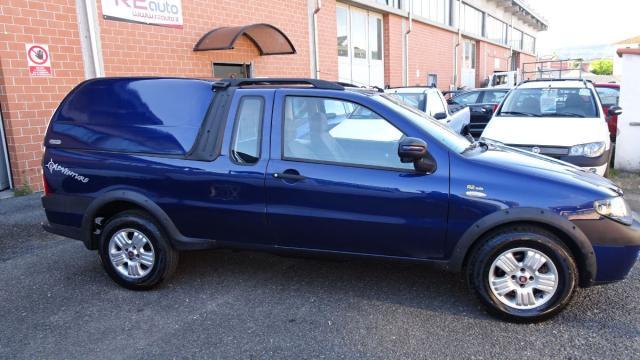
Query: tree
x,y
602,67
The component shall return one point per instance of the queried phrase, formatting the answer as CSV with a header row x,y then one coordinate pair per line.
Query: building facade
x,y
49,46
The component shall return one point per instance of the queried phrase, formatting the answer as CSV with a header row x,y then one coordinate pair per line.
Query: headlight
x,y
615,208
589,150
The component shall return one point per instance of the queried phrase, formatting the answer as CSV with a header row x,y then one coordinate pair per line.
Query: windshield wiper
x,y
474,145
567,114
519,113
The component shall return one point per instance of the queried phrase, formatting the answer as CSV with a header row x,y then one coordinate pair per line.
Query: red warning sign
x,y
39,60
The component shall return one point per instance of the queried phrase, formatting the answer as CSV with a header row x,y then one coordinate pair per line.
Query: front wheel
x,y
523,274
135,252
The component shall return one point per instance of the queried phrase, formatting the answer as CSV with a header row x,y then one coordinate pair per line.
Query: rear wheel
x,y
523,274
135,252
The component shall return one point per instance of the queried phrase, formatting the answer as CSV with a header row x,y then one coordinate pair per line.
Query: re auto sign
x,y
154,12
38,60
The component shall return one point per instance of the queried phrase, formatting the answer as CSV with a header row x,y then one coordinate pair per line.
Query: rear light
x,y
495,107
45,186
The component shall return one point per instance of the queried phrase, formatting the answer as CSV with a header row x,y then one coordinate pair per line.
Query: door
x,y
469,64
224,200
4,158
335,183
360,46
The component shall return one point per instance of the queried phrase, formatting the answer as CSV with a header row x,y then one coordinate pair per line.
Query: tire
x,y
142,267
529,296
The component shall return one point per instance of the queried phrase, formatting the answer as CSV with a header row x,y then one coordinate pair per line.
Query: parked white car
x,y
431,101
559,118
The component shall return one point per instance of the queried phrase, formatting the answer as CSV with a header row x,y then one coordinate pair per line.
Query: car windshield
x,y
415,100
550,102
608,96
451,139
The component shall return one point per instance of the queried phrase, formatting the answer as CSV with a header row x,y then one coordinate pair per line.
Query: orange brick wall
x,y
393,43
490,58
431,51
136,49
327,41
526,58
28,102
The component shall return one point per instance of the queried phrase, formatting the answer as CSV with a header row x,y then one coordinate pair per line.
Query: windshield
x,y
550,102
444,134
415,100
608,96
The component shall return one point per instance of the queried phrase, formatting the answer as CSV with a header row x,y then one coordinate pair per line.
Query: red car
x,y
609,95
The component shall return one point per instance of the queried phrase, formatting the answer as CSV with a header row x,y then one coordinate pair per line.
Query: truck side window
x,y
315,131
245,147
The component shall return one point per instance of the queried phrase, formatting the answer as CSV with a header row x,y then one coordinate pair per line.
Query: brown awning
x,y
268,39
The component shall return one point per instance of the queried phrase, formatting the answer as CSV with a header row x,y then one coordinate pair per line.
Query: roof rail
x,y
584,81
316,83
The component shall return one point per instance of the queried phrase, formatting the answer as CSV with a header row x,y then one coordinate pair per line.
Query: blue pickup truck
x,y
140,169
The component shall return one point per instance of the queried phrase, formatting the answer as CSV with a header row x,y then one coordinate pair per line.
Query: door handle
x,y
289,174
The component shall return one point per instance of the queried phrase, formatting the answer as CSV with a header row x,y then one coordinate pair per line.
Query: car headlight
x,y
594,149
615,208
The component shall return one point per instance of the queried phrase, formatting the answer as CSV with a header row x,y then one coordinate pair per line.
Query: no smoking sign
x,y
38,59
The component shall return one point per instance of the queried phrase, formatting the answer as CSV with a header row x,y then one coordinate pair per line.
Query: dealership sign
x,y
154,12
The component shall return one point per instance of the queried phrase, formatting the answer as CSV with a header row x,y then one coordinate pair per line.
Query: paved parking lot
x,y
56,302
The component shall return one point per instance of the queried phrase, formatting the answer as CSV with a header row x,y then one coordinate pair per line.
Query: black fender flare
x,y
178,241
545,217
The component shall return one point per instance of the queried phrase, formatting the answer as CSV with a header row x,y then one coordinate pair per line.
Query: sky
x,y
574,23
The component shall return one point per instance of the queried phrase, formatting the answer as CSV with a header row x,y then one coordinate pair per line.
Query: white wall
x,y
628,140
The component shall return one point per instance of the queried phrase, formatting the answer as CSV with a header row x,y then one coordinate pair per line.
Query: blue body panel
x,y
335,208
142,115
358,209
615,262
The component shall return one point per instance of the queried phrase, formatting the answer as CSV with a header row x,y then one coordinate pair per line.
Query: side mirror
x,y
615,110
440,115
415,150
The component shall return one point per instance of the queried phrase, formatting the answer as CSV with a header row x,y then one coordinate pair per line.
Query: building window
x,y
375,37
516,39
496,30
469,61
528,43
231,71
471,20
434,10
359,38
432,80
342,19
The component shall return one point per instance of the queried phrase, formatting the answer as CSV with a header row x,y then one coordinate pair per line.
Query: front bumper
x,y
616,246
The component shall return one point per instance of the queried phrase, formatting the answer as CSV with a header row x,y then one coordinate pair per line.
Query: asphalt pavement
x,y
57,302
